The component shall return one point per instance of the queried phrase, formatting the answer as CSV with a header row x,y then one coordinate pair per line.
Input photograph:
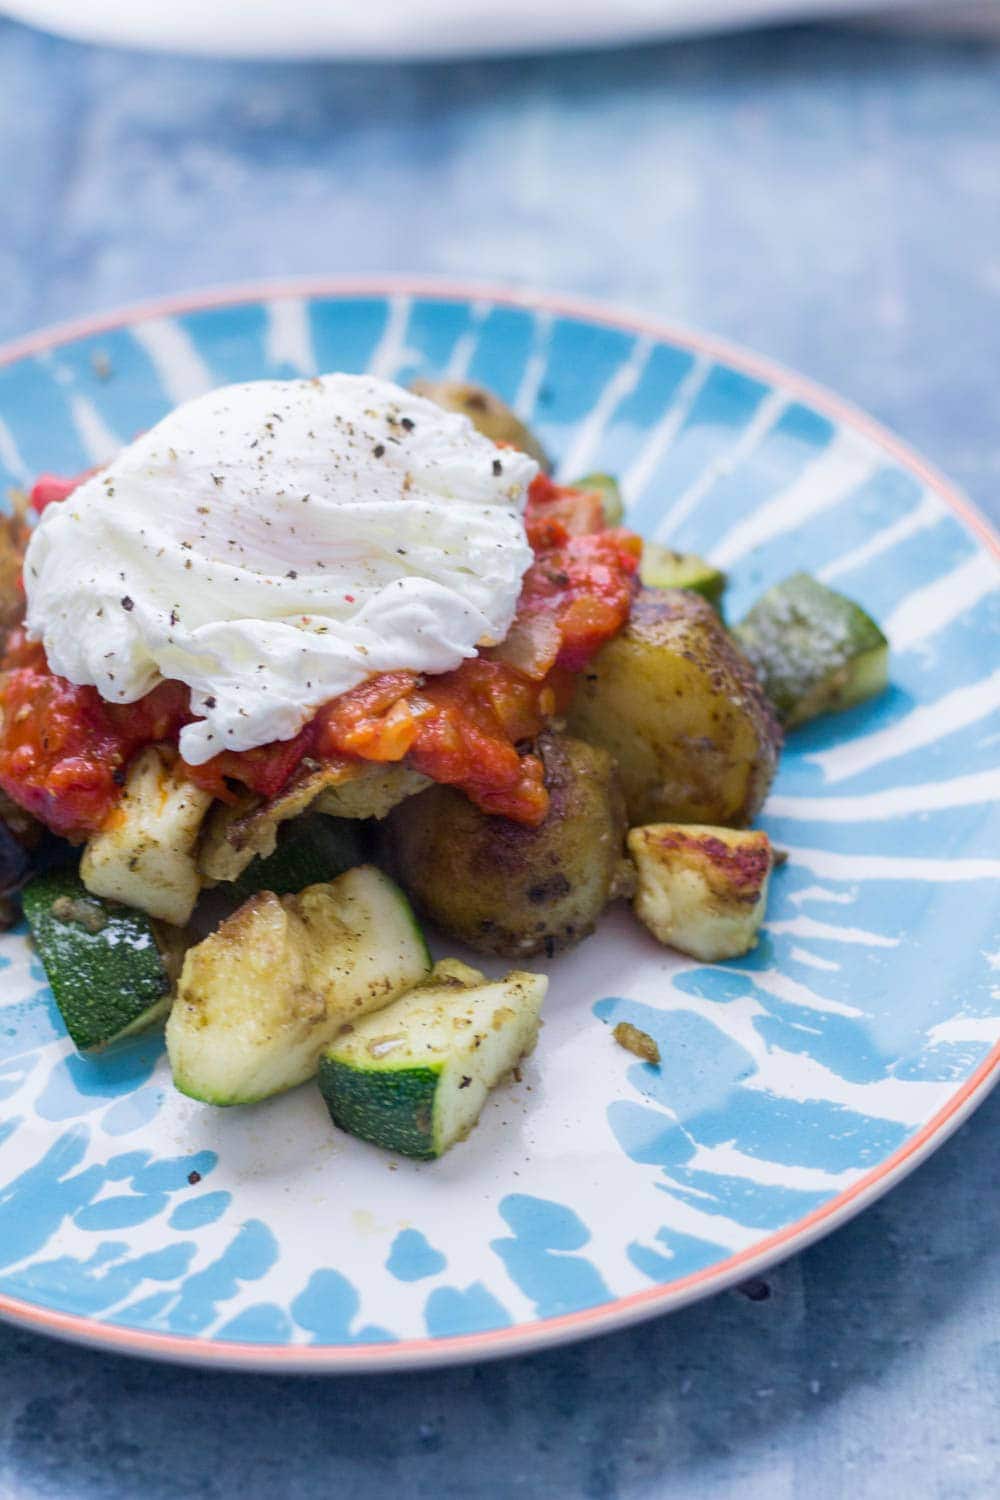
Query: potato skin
x,y
493,417
677,704
501,887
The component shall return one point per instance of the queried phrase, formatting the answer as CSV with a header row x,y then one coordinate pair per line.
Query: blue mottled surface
x,y
831,200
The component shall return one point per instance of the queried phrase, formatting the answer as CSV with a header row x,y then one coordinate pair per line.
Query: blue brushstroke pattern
x,y
452,1311
262,1323
412,1257
250,1254
537,1258
88,1286
79,1083
133,1112
197,1212
327,1308
682,1255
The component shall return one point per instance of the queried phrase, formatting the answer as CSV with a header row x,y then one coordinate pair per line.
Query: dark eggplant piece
x,y
15,861
26,848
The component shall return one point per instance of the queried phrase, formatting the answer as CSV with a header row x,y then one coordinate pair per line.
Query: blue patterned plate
x,y
796,1085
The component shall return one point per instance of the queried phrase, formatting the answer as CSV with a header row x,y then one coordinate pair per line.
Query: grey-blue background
x,y
830,198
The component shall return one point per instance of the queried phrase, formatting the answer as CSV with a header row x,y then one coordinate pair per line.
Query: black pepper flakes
x,y
379,450
497,467
128,603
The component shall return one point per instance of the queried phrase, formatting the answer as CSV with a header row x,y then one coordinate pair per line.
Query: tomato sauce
x,y
64,750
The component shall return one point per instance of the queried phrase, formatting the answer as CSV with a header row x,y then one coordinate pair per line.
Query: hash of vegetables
x,y
617,744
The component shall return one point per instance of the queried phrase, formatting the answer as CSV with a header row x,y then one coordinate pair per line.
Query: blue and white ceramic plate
x,y
797,1084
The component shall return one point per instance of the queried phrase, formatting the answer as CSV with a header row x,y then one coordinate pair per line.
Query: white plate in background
x,y
403,29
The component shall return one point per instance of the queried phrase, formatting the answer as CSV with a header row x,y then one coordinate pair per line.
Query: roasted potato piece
x,y
681,710
501,887
238,832
702,890
493,417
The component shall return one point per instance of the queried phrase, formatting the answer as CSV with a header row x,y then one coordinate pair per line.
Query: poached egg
x,y
275,543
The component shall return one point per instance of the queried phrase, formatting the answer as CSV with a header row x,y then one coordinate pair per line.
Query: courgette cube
x,y
414,1078
662,568
262,996
146,854
311,849
607,487
815,650
108,972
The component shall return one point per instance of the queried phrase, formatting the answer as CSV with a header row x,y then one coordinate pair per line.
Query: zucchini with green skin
x,y
815,650
662,568
262,996
414,1078
311,848
108,966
